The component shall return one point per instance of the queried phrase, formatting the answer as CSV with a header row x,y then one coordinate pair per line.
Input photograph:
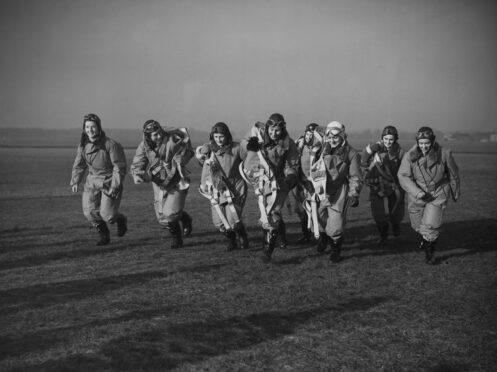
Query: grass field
x,y
134,305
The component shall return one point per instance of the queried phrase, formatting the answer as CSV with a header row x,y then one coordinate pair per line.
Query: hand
x,y
291,180
74,188
138,179
354,201
253,144
112,192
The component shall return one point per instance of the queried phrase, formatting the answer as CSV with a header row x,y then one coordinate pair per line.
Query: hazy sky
x,y
366,63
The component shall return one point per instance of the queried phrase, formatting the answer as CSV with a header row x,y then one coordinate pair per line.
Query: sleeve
x,y
355,174
140,163
406,177
454,179
79,167
118,159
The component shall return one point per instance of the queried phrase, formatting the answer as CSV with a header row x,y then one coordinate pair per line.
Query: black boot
x,y
271,237
336,250
396,230
430,252
231,236
122,225
175,230
383,229
104,233
306,233
322,242
186,221
282,235
242,236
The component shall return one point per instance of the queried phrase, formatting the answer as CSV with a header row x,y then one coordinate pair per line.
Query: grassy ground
x,y
67,305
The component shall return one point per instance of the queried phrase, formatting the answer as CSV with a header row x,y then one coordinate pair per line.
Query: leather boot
x,y
430,252
322,242
122,225
175,230
104,233
336,250
396,230
306,233
271,237
186,221
282,235
231,236
383,229
242,236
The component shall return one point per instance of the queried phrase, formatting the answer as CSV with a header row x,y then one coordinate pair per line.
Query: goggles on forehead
x,y
151,127
426,134
272,123
92,117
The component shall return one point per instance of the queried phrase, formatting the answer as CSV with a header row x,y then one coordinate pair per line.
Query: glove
x,y
291,180
253,144
354,201
309,186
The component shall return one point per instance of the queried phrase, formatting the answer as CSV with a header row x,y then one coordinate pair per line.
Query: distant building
x,y
493,137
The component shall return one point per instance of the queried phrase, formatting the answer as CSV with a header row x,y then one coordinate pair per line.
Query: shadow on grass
x,y
30,261
42,295
473,236
42,340
167,347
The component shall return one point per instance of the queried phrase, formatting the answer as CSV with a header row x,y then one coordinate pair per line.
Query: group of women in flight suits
x,y
321,170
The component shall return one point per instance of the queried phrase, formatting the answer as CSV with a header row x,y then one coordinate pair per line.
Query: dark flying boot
x,y
104,233
264,239
186,221
396,230
271,237
336,250
175,230
430,253
383,229
306,233
231,236
282,235
242,236
122,225
322,242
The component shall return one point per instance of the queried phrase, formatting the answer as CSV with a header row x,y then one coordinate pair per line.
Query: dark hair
x,y
95,119
223,129
390,129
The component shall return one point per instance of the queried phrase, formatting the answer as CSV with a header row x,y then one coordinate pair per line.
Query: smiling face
x,y
334,139
92,130
388,140
156,136
275,132
424,145
220,139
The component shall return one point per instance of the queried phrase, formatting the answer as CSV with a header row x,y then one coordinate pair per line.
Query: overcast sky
x,y
366,63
